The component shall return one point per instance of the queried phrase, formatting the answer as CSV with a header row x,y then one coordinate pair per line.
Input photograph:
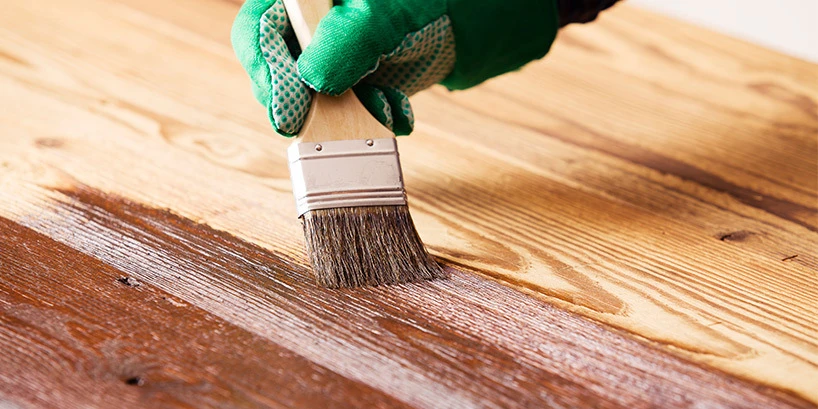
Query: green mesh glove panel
x,y
386,51
262,38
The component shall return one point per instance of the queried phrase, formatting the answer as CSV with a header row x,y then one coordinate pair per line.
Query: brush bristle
x,y
366,246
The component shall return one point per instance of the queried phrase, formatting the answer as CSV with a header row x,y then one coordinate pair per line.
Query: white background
x,y
789,26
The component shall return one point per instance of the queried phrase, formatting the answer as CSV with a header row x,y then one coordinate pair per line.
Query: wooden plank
x,y
648,174
132,328
77,332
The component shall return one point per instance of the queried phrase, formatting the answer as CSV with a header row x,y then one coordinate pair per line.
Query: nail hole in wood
x,y
135,381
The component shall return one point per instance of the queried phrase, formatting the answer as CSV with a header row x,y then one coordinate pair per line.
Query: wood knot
x,y
736,236
49,142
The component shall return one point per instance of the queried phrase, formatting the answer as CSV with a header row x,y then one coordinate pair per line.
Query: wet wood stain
x,y
170,312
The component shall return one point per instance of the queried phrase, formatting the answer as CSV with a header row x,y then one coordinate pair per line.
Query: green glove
x,y
386,50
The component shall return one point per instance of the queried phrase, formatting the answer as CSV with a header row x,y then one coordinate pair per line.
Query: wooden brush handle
x,y
330,118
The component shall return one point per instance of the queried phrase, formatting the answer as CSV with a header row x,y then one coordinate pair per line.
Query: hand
x,y
386,50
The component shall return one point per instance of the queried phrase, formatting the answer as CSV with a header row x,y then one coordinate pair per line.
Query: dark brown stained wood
x,y
76,332
169,312
648,175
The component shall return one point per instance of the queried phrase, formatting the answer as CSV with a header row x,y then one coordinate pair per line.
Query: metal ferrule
x,y
351,173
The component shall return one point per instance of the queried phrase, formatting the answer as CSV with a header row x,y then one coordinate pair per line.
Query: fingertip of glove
x,y
287,133
402,129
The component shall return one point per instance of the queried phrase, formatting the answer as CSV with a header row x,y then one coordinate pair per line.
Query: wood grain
x,y
648,175
171,313
84,334
340,118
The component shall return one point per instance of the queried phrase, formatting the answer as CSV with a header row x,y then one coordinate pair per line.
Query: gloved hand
x,y
386,50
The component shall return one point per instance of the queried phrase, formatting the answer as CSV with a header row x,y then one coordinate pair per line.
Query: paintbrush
x,y
348,186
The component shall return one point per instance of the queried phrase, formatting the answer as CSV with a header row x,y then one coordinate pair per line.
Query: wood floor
x,y
631,222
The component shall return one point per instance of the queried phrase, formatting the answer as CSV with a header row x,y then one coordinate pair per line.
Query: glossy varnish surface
x,y
631,222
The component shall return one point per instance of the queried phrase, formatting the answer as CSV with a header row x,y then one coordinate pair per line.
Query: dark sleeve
x,y
581,11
